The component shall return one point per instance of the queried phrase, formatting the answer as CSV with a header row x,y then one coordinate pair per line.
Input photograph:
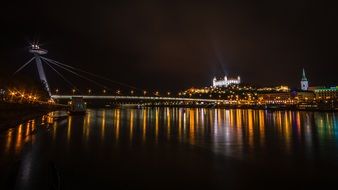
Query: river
x,y
171,148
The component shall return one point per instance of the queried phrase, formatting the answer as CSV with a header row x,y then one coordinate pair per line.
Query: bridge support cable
x,y
77,74
63,77
92,74
24,65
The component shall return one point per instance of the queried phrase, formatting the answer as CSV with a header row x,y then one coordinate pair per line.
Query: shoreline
x,y
282,108
12,114
11,124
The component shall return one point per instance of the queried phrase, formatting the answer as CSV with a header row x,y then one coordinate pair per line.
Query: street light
x,y
73,91
132,92
89,91
144,92
104,91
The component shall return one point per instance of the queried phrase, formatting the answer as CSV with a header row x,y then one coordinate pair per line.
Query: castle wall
x,y
225,82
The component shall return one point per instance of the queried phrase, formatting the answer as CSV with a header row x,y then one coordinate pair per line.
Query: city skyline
x,y
122,88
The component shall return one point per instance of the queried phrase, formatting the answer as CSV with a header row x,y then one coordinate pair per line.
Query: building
x,y
303,96
326,93
274,89
274,97
225,82
313,88
304,83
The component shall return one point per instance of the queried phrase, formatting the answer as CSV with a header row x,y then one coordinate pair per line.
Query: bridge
x,y
105,97
84,75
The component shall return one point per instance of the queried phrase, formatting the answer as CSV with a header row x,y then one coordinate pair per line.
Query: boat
x,y
77,106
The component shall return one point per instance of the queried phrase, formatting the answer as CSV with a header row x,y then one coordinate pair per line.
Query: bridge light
x,y
168,93
144,92
118,91
12,93
104,91
89,91
73,91
156,93
57,90
132,92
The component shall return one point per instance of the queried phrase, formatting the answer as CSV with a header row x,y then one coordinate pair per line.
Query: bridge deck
x,y
139,98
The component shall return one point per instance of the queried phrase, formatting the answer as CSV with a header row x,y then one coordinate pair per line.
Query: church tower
x,y
304,83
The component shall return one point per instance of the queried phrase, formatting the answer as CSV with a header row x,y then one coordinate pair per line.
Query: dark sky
x,y
177,44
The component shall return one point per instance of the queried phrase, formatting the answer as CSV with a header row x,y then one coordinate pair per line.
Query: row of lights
x,y
22,95
132,92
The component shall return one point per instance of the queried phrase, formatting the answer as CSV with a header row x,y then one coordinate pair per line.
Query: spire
x,y
303,75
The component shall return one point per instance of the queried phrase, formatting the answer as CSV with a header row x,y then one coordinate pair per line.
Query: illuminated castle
x,y
225,82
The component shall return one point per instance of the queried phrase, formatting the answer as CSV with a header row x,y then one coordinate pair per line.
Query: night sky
x,y
173,45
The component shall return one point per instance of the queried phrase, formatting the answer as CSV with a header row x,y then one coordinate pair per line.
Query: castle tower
x,y
304,83
214,82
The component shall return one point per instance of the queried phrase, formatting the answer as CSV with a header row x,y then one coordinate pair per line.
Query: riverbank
x,y
222,106
12,114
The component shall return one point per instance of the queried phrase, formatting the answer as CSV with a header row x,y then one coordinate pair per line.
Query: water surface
x,y
166,148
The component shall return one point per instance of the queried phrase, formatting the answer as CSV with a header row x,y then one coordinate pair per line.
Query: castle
x,y
225,82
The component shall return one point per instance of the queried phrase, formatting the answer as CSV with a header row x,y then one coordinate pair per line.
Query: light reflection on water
x,y
234,133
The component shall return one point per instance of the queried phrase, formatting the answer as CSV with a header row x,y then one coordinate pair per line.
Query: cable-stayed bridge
x,y
41,62
113,97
